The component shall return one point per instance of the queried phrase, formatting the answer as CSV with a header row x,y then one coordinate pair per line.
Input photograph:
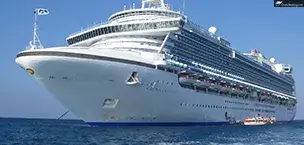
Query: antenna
x,y
35,36
35,43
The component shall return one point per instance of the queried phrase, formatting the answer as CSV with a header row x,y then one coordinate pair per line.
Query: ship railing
x,y
253,60
206,34
147,14
107,22
89,27
203,32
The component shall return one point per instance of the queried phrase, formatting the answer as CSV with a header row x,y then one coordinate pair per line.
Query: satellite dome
x,y
212,30
272,60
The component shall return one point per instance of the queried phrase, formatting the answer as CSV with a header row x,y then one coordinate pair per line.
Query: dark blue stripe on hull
x,y
156,123
163,123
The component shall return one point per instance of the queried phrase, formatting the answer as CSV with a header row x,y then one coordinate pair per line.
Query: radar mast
x,y
35,43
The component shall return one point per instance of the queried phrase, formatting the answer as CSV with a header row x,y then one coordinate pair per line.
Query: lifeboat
x,y
243,90
224,86
183,78
263,95
186,78
235,89
273,96
213,83
202,82
248,90
269,96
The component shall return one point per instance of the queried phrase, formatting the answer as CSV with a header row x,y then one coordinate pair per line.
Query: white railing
x,y
146,13
205,33
88,28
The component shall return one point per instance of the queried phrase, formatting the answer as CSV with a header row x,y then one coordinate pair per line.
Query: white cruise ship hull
x,y
83,84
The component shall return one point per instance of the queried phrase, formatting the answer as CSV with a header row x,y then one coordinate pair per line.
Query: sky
x,y
276,32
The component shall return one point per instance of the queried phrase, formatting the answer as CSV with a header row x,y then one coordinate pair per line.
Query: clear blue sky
x,y
276,32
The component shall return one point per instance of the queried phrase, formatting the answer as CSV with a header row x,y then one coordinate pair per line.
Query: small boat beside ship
x,y
258,121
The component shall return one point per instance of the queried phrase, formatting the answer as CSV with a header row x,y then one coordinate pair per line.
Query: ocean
x,y
75,132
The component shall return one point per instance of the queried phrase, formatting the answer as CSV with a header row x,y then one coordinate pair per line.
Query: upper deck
x,y
155,11
154,14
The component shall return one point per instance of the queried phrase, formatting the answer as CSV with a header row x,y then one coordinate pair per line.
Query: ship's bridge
x,y
94,35
143,14
154,18
150,10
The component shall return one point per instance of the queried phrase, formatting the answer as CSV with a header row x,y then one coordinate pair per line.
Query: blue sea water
x,y
74,132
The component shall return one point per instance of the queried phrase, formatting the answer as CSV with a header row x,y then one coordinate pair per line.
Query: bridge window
x,y
123,28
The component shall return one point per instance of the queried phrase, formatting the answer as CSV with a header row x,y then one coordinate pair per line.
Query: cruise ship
x,y
152,66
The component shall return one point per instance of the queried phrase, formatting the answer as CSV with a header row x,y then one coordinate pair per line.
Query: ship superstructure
x,y
145,61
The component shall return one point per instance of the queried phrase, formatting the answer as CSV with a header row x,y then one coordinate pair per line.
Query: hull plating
x,y
83,85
